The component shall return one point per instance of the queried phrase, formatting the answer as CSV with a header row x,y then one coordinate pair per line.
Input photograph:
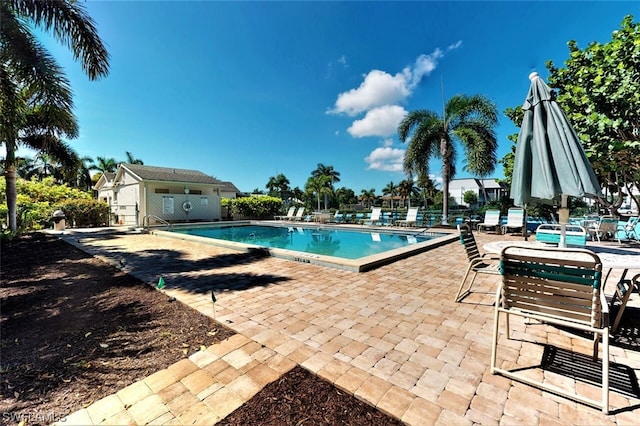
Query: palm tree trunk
x,y
12,196
445,150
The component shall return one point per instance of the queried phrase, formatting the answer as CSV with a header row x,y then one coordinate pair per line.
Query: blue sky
x,y
245,90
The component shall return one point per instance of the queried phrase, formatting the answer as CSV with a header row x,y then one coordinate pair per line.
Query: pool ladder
x,y
159,219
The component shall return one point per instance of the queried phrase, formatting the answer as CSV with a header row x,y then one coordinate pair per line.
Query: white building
x,y
136,192
493,190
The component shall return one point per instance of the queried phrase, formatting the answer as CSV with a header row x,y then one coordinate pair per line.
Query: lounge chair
x,y
559,287
627,231
299,214
337,217
549,233
515,220
375,216
288,216
605,228
410,220
478,263
491,220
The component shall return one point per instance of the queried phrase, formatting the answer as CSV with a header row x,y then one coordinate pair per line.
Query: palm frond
x,y
70,23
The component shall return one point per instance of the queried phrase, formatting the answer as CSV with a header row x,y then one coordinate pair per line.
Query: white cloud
x,y
381,88
387,142
382,121
378,88
455,45
343,60
386,159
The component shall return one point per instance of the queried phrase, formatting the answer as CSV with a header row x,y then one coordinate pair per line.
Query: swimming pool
x,y
352,248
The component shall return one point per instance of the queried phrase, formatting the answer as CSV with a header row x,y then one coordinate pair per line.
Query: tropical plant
x,y
391,190
278,185
428,189
133,160
318,185
368,196
469,120
105,165
332,177
345,196
407,189
35,96
599,90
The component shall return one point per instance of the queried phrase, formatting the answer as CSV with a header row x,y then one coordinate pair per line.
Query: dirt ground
x,y
74,329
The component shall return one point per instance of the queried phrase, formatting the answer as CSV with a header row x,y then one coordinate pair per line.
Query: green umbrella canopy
x,y
549,160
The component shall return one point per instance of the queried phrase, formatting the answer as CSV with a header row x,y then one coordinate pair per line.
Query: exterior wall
x,y
169,206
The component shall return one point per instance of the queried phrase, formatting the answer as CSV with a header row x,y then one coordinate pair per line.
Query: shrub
x,y
253,207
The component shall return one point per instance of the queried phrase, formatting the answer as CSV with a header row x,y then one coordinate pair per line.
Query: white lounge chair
x,y
491,220
375,216
515,220
298,215
288,216
410,220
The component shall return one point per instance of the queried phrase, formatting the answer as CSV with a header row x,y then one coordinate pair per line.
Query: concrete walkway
x,y
392,337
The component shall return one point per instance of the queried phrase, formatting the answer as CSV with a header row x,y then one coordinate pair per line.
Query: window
x,y
161,191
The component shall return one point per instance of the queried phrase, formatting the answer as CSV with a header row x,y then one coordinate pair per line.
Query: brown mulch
x,y
74,329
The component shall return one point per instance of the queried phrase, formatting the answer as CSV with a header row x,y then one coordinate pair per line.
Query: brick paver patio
x,y
392,337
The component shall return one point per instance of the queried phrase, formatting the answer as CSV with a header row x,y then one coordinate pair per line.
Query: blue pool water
x,y
342,243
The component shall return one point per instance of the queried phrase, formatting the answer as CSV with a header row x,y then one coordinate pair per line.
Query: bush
x,y
253,207
38,199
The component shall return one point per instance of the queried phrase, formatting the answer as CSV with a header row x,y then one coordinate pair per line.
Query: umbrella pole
x,y
525,230
564,219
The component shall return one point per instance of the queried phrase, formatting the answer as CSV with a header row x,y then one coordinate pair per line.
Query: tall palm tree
x,y
332,175
105,165
469,120
317,185
391,190
133,160
35,97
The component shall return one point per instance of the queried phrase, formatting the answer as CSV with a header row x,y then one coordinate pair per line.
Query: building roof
x,y
229,187
168,174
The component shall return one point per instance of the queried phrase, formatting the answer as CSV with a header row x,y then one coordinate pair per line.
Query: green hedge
x,y
259,207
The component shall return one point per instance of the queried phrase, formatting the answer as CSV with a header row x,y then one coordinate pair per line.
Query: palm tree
x,y
391,190
368,196
278,184
332,175
105,165
406,189
317,185
428,187
132,160
469,120
35,96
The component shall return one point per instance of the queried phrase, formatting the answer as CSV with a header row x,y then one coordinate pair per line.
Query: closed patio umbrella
x,y
550,163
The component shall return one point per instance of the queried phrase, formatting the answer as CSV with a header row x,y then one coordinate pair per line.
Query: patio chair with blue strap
x,y
491,220
515,220
478,263
559,287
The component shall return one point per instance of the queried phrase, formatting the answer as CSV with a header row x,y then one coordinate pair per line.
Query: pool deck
x,y
391,336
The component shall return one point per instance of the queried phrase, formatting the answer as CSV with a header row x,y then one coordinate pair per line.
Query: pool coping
x,y
362,264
